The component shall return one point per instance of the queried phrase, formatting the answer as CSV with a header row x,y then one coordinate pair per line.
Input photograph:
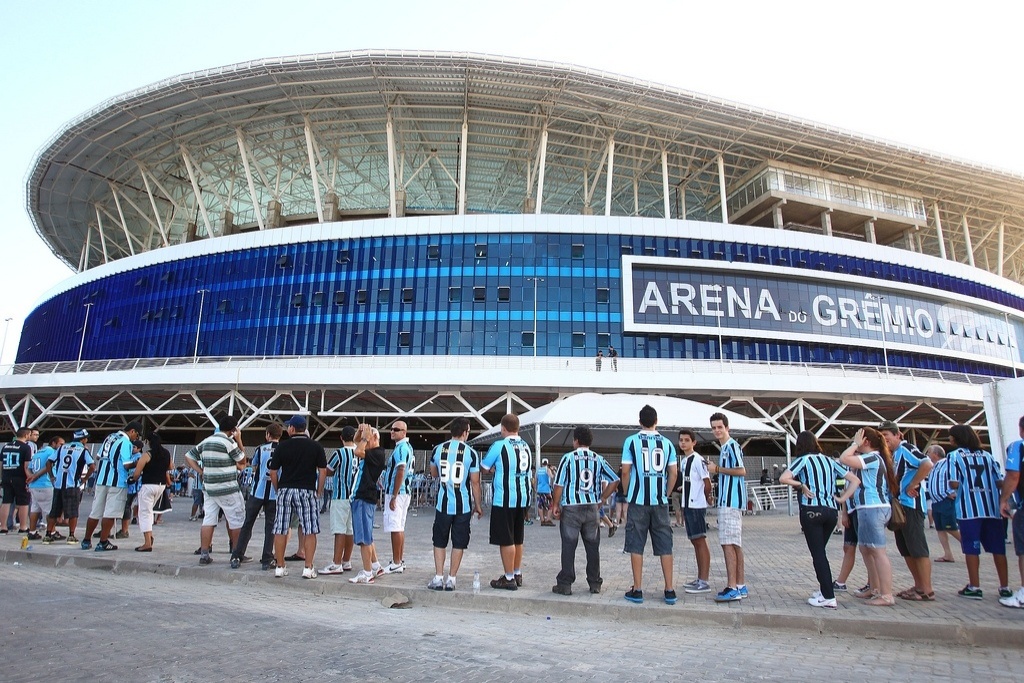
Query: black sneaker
x,y
272,564
235,562
634,595
35,536
504,584
670,597
836,586
205,559
561,589
105,546
518,579
48,539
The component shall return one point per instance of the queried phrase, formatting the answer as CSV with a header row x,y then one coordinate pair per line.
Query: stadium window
x,y
167,277
626,250
504,293
283,261
527,339
339,297
650,251
384,296
380,339
344,256
361,296
577,251
604,340
112,322
579,340
433,251
224,306
318,298
146,316
159,315
603,295
142,282
454,295
403,339
297,300
407,294
480,250
673,252
479,294
177,312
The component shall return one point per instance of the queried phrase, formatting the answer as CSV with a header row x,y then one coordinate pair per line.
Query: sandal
x,y
881,601
918,596
908,594
942,559
865,593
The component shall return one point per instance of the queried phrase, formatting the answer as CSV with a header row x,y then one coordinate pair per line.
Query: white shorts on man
x,y
394,520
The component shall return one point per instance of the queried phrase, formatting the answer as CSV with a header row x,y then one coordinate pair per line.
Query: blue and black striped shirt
x,y
582,474
262,488
343,468
511,460
980,478
732,488
819,473
455,462
651,456
907,460
114,455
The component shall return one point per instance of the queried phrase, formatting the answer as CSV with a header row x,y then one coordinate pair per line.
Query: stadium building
x,y
375,235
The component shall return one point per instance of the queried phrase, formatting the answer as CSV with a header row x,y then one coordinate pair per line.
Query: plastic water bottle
x,y
476,583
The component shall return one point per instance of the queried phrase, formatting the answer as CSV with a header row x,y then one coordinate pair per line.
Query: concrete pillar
x,y
869,232
938,230
967,240
826,222
332,210
721,188
777,220
274,218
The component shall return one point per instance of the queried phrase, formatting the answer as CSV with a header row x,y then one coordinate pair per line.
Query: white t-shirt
x,y
693,483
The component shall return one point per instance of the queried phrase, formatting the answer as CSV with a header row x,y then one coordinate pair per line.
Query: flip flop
x,y
942,559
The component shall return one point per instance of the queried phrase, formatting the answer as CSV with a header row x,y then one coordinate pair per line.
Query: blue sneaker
x,y
670,597
634,595
728,595
87,544
743,592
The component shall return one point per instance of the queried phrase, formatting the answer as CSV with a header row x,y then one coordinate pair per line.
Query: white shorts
x,y
341,517
730,526
395,520
42,501
233,506
108,503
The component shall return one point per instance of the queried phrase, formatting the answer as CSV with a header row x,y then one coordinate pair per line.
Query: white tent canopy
x,y
614,416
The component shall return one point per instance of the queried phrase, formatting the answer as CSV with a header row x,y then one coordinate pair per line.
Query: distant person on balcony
x,y
598,360
614,355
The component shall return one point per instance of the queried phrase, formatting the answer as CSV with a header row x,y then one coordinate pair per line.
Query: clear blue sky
x,y
946,80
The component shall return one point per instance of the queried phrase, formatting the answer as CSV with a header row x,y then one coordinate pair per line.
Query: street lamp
x,y
535,281
1009,343
81,344
881,319
199,322
3,346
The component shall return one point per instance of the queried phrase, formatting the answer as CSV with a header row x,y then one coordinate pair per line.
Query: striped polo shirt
x,y
455,461
732,488
582,474
510,458
980,478
401,457
342,466
217,455
819,473
938,482
650,456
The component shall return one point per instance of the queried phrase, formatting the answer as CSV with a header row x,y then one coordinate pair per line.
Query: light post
x,y
1009,343
3,346
199,322
81,345
881,320
535,281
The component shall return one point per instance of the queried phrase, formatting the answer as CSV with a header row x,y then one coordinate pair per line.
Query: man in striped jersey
x,y
262,498
341,468
1013,487
70,466
41,487
457,465
649,467
976,476
912,470
218,459
114,465
510,459
732,501
582,480
397,478
943,500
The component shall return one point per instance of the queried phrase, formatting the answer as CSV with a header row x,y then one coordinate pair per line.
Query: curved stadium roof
x,y
125,177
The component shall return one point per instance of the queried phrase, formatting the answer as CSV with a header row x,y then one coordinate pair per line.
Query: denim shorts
x,y
871,526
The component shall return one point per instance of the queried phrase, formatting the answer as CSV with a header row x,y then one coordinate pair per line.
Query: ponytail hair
x,y
877,442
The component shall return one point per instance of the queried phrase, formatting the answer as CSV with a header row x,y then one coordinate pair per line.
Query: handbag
x,y
897,517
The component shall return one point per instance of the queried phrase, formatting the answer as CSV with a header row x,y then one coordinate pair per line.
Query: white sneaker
x,y
362,577
377,571
818,601
1015,600
347,566
280,572
449,584
815,594
436,584
333,569
393,568
309,573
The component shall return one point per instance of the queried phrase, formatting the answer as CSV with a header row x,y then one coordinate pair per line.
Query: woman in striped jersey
x,y
814,475
871,461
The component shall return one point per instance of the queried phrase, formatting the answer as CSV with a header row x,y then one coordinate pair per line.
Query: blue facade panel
x,y
457,294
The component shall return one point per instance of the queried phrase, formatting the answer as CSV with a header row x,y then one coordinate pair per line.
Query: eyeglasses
x,y
397,429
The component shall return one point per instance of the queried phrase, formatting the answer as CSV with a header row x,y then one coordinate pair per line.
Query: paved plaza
x,y
779,575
